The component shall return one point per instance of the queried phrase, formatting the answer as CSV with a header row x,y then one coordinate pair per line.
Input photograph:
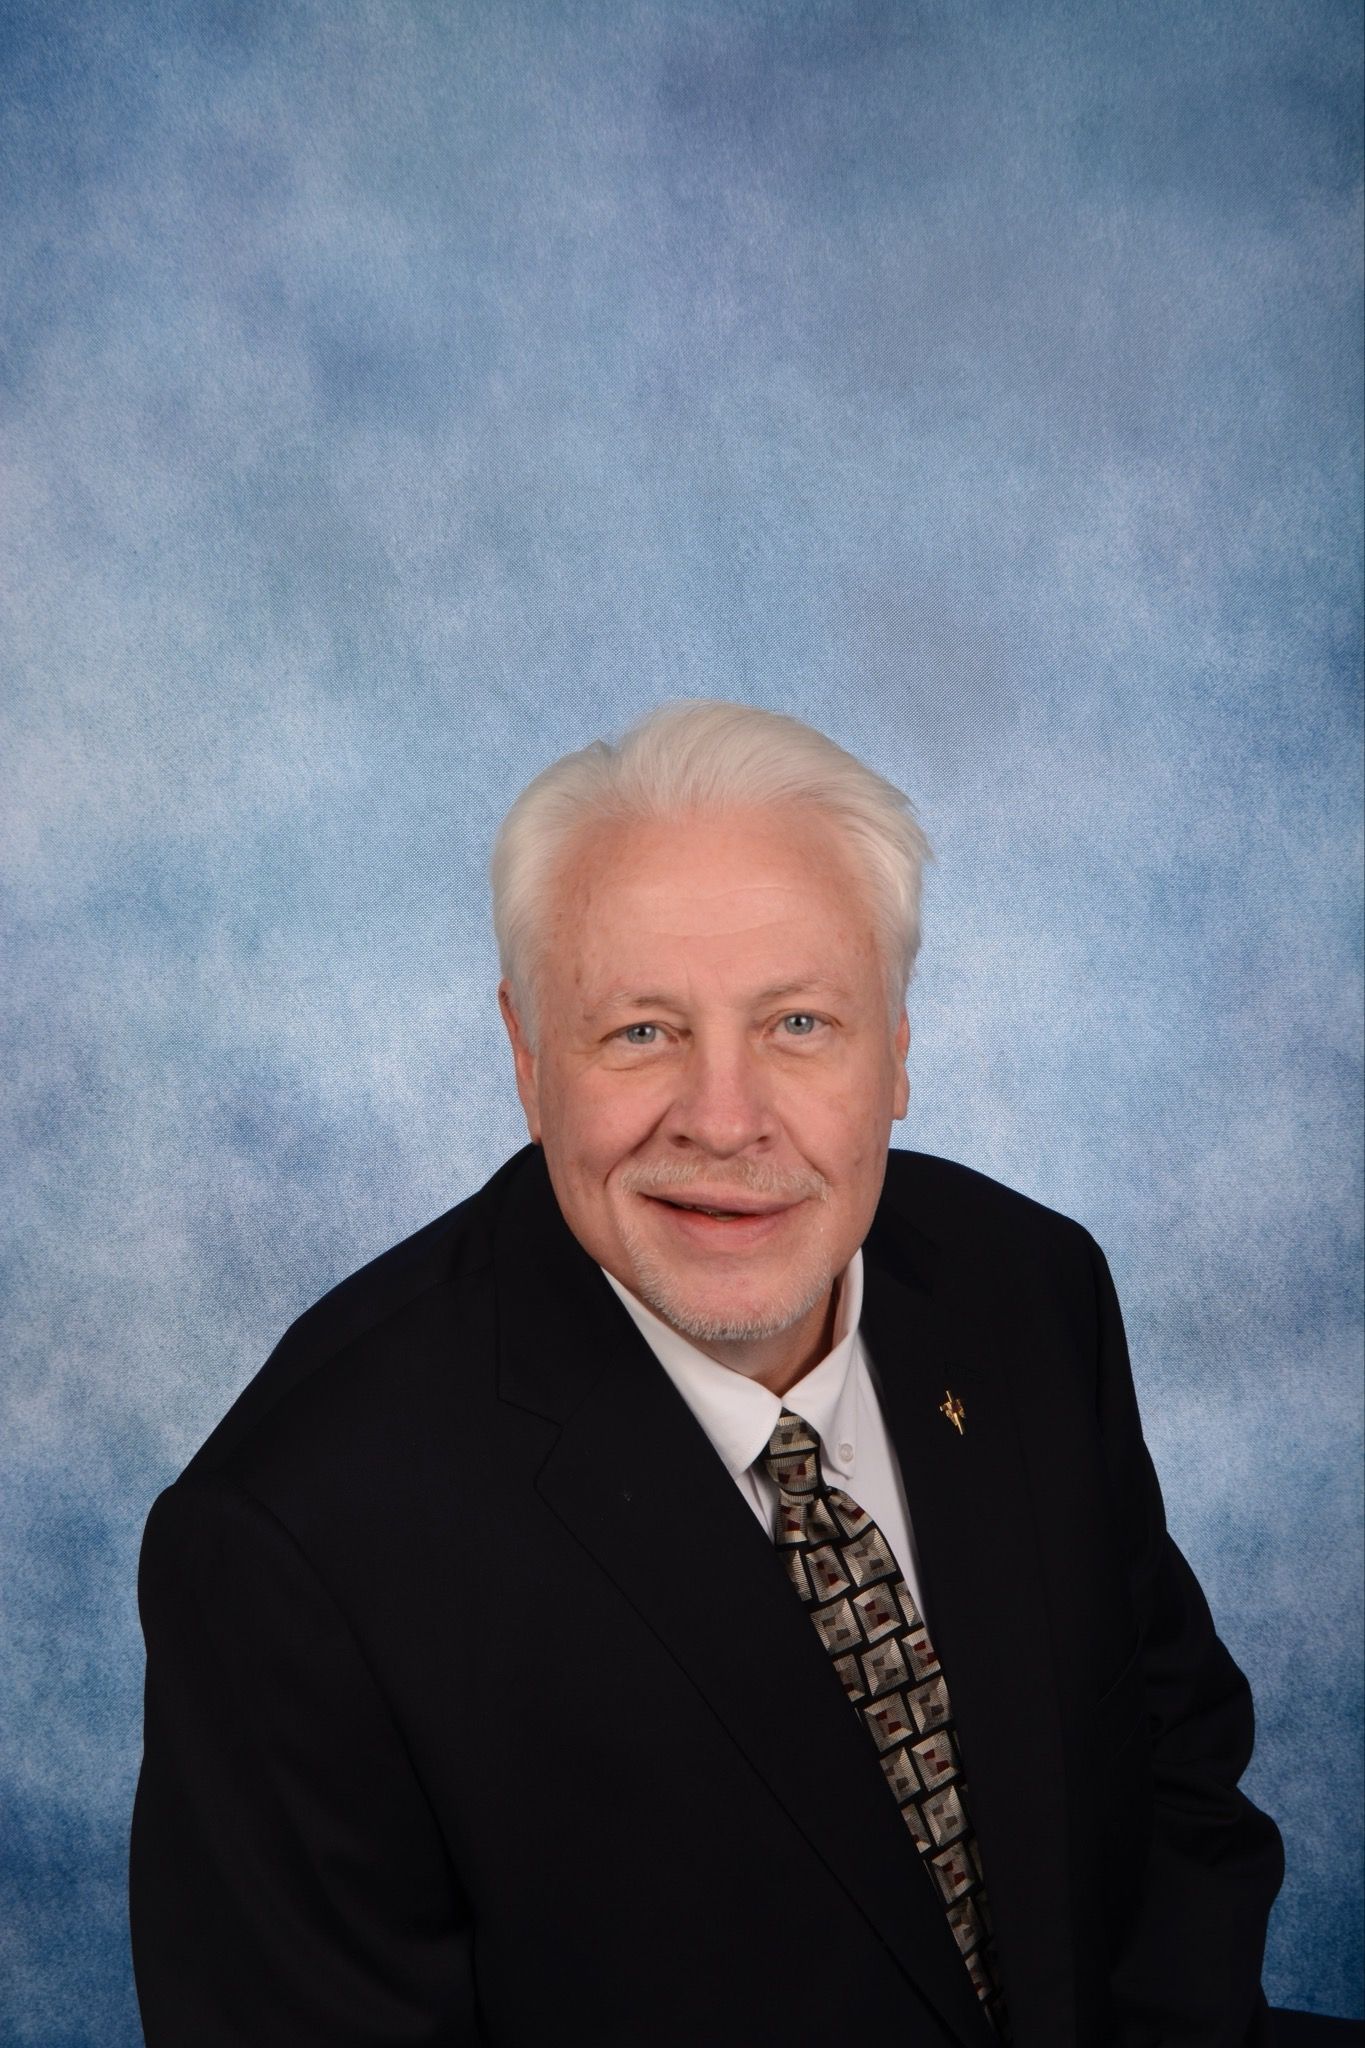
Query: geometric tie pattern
x,y
842,1568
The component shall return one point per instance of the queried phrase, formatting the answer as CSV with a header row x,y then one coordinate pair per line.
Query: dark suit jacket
x,y
479,1709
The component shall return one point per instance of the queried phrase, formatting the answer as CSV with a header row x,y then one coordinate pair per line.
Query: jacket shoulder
x,y
394,1293
950,1204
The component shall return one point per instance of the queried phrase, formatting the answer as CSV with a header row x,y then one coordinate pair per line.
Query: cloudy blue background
x,y
397,394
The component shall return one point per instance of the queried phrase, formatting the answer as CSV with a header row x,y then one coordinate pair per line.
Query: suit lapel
x,y
635,1480
987,1614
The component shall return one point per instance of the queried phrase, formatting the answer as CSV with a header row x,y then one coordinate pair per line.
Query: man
x,y
710,1587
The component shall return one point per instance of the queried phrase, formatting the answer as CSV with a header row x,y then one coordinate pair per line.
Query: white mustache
x,y
740,1176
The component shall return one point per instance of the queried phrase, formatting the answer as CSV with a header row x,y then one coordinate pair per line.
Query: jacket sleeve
x,y
288,1881
1188,1973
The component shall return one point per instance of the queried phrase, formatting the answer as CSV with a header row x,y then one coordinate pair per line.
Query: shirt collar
x,y
738,1414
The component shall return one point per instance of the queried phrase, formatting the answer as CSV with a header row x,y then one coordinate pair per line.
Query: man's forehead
x,y
679,865
658,908
764,901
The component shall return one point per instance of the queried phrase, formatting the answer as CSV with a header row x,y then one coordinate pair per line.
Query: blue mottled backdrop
x,y
397,394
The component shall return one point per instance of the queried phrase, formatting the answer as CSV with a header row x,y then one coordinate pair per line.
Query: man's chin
x,y
703,1327
705,1317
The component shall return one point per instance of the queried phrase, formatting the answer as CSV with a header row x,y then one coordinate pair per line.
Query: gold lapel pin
x,y
953,1409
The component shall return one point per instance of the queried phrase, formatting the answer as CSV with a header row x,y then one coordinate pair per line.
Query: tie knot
x,y
793,1458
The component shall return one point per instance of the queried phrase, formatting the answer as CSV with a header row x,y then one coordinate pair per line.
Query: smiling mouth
x,y
726,1215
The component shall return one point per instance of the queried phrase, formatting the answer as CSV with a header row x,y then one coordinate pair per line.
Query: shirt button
x,y
845,1452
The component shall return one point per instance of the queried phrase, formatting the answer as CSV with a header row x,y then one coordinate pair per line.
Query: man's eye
x,y
799,1025
640,1034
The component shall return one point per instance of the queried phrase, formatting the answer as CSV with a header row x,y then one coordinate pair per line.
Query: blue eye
x,y
799,1024
640,1034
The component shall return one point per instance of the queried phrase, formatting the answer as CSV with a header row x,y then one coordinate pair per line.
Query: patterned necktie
x,y
842,1567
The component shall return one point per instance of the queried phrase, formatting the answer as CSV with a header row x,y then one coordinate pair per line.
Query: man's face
x,y
715,1073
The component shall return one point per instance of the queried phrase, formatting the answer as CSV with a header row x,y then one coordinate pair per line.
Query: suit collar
x,y
558,1321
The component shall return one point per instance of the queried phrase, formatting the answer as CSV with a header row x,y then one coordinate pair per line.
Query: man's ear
x,y
902,1095
528,1087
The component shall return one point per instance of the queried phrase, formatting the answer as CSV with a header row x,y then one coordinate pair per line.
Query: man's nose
x,y
722,1105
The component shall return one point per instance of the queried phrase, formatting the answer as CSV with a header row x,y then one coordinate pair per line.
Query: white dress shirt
x,y
837,1397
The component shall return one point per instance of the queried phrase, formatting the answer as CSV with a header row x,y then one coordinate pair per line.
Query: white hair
x,y
704,756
